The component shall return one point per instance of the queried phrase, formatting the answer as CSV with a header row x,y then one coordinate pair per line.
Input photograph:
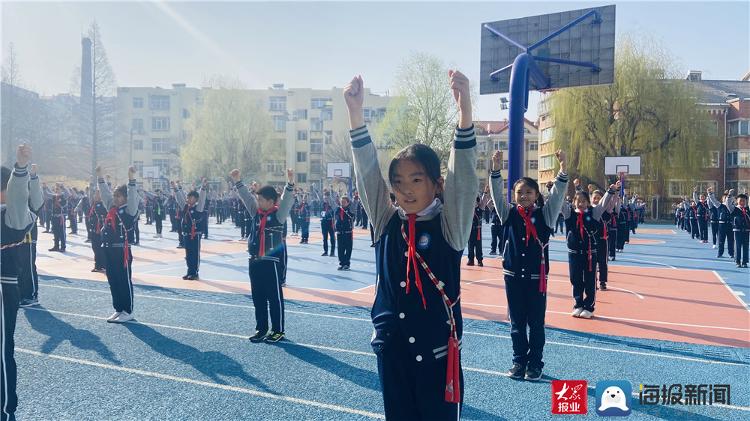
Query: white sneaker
x,y
714,246
124,317
113,317
577,312
585,314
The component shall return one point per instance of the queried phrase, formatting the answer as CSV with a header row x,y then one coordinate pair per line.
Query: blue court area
x,y
187,355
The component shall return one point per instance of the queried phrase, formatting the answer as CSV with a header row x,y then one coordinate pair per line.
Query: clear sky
x,y
321,45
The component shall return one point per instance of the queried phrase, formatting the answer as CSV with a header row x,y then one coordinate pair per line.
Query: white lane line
x,y
744,304
162,376
648,261
233,335
738,293
627,290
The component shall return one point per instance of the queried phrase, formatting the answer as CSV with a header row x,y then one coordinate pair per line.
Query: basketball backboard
x,y
339,170
592,40
628,165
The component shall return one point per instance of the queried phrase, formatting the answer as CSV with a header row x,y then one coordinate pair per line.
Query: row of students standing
x,y
730,223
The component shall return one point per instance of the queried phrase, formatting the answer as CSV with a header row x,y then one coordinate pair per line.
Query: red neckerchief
x,y
744,214
605,231
110,219
262,233
411,260
479,224
301,208
579,223
189,216
530,228
341,213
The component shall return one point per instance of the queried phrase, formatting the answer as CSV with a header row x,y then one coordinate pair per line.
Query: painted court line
x,y
249,306
252,392
744,304
350,351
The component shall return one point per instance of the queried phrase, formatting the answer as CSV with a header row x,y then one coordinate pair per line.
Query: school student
x,y
495,231
326,223
267,249
740,216
28,280
475,237
117,236
714,221
526,231
419,244
602,240
303,220
16,220
192,226
726,235
344,223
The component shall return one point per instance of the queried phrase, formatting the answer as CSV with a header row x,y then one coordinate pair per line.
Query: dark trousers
x,y
47,223
266,277
193,253
345,240
305,225
475,244
328,232
622,232
158,225
741,247
414,390
100,261
694,230
137,230
714,232
295,224
726,236
526,307
560,224
28,281
173,221
703,228
601,260
119,277
204,227
73,224
583,280
8,372
244,231
495,231
364,220
612,242
58,230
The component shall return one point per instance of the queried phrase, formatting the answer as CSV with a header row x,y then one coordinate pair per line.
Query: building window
x,y
137,102
160,145
316,166
163,165
279,123
185,113
277,103
533,164
275,167
481,164
547,162
301,156
548,134
326,114
329,136
677,188
505,164
743,159
138,144
316,103
732,159
160,124
533,146
316,125
301,134
138,167
501,145
712,161
301,177
316,146
137,126
300,114
158,102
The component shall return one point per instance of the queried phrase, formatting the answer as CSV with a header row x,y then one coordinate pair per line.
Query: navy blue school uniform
x,y
96,216
268,257
692,217
726,235
475,237
417,313
193,218
326,226
526,234
702,216
495,231
118,233
740,217
622,227
158,213
12,233
303,215
344,223
59,212
714,221
612,233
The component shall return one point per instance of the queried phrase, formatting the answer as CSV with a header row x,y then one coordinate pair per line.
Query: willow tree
x,y
231,129
648,111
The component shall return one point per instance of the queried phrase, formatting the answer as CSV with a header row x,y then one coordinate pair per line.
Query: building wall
x,y
492,136
738,145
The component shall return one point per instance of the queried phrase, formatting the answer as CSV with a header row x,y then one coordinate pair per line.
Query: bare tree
x,y
10,76
102,91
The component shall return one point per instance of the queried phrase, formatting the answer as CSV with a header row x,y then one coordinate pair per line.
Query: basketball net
x,y
622,175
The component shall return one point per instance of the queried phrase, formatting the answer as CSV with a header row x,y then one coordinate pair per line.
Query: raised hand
x,y
576,182
560,154
497,160
131,172
235,174
290,176
23,155
33,170
354,94
462,95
